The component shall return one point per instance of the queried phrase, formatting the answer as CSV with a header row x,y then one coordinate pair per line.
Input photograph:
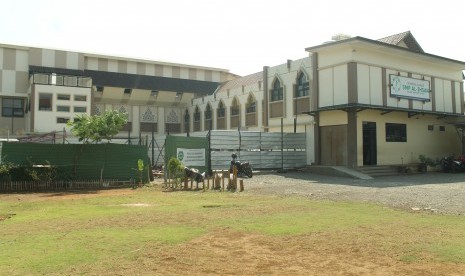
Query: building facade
x,y
360,101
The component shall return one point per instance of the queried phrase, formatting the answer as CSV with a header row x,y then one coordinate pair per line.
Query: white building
x,y
354,97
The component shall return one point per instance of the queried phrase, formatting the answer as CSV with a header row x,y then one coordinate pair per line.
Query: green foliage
x,y
175,169
427,161
94,129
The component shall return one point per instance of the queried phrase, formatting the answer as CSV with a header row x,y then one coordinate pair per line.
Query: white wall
x,y
46,121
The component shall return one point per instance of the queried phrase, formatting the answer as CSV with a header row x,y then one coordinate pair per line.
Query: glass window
x,y
81,109
277,91
62,108
186,116
251,105
220,111
80,98
12,107
45,102
208,113
396,132
302,87
235,108
63,97
197,115
61,120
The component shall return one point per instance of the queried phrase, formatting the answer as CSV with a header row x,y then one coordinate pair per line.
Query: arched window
x,y
220,111
186,121
250,110
208,112
208,117
302,86
235,107
186,116
277,91
235,111
197,119
197,114
251,105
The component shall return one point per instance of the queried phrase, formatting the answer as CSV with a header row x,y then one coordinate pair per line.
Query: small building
x,y
381,102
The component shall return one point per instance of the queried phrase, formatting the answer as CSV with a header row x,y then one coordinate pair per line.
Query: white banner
x,y
191,157
403,87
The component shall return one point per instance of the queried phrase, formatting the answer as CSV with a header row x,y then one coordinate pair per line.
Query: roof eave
x,y
376,42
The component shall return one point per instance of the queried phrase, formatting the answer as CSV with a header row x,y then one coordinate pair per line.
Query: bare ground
x,y
227,252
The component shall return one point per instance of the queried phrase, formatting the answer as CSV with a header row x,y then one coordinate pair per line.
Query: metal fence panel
x,y
250,140
261,149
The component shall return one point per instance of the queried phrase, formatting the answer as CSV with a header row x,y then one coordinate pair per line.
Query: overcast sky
x,y
239,35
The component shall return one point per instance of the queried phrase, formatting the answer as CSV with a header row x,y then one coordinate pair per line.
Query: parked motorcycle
x,y
450,164
194,174
243,168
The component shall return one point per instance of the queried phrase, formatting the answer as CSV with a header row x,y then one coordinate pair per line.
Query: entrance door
x,y
369,143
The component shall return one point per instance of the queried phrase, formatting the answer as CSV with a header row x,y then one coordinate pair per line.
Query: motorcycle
x,y
194,174
450,164
243,168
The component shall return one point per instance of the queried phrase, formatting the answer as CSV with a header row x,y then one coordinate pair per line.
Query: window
x,y
396,132
442,128
99,88
62,108
277,91
302,86
61,120
197,115
430,127
80,98
80,109
208,113
154,93
251,105
12,107
63,97
70,81
220,111
127,91
186,117
45,102
235,108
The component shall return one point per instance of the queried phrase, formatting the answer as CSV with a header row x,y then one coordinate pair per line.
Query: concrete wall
x,y
46,121
432,143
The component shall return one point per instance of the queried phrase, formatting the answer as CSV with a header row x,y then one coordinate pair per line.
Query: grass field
x,y
150,232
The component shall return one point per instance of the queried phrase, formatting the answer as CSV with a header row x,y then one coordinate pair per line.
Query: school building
x,y
360,101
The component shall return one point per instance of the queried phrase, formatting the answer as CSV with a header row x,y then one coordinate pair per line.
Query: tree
x,y
94,129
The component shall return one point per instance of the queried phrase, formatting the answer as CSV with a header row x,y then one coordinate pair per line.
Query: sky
x,y
241,36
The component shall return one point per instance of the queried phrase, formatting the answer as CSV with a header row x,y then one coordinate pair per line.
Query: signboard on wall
x,y
191,157
410,88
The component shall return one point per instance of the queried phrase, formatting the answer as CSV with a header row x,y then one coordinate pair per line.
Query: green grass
x,y
49,236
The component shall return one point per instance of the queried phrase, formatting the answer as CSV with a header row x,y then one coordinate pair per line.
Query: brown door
x,y
334,145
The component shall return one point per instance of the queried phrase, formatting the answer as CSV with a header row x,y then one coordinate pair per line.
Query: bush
x,y
175,169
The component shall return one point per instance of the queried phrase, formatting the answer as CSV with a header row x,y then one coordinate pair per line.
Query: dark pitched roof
x,y
405,37
102,78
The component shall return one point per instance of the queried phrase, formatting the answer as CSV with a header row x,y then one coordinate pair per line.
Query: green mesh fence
x,y
81,161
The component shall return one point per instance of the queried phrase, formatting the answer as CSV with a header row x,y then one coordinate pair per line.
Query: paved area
x,y
429,192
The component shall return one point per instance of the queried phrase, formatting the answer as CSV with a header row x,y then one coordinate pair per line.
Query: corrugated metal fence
x,y
264,150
